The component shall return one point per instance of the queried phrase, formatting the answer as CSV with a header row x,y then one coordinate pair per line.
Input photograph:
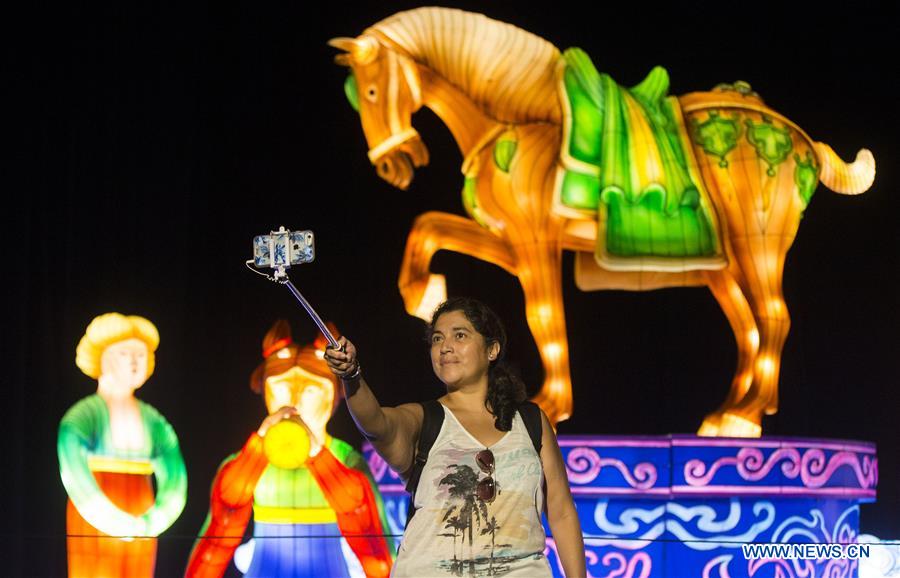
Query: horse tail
x,y
840,177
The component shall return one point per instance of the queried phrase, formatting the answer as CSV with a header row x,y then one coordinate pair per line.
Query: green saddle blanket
x,y
627,161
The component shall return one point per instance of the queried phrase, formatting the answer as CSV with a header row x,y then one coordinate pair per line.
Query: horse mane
x,y
508,72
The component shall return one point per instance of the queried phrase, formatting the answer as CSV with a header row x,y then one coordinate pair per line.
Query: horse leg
x,y
762,262
730,296
759,203
423,291
540,274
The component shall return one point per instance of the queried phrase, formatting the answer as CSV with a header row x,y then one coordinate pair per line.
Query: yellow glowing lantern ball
x,y
286,445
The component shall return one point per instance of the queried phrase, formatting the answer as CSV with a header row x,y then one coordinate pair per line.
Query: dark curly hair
x,y
505,389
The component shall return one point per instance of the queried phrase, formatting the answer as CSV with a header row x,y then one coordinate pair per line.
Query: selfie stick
x,y
312,312
279,250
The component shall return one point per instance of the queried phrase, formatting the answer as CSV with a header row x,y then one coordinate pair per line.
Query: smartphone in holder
x,y
282,248
279,250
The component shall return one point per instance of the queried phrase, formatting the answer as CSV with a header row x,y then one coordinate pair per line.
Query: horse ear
x,y
362,50
343,43
342,59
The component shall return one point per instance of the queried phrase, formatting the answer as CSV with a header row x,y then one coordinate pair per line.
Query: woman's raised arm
x,y
393,431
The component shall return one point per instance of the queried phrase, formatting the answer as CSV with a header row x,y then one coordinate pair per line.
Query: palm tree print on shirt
x,y
467,516
491,528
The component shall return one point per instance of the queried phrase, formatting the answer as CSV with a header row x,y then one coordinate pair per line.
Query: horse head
x,y
387,92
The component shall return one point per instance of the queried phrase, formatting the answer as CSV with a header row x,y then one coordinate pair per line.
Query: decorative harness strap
x,y
398,136
388,144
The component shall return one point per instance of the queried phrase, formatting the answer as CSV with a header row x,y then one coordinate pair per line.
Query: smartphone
x,y
283,248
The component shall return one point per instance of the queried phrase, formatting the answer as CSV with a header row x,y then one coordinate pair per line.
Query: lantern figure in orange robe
x,y
110,445
306,491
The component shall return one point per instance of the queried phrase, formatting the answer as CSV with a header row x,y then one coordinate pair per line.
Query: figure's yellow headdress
x,y
111,328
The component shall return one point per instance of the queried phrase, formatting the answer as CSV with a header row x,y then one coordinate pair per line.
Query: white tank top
x,y
453,533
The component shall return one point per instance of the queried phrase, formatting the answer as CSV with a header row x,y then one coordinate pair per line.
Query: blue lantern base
x,y
685,506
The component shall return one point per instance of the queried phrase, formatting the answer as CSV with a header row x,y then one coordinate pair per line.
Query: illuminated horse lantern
x,y
710,186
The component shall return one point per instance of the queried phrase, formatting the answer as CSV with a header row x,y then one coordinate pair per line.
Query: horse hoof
x,y
551,408
736,426
435,293
710,426
422,298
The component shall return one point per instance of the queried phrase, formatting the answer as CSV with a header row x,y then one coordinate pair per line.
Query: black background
x,y
151,144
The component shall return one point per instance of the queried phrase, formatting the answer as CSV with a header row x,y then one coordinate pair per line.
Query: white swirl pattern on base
x,y
701,519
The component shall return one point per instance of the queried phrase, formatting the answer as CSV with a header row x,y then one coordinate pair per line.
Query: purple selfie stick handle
x,y
314,315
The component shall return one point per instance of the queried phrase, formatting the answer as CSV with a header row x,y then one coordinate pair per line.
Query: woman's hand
x,y
342,361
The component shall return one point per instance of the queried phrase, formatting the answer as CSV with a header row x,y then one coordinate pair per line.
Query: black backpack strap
x,y
531,415
432,420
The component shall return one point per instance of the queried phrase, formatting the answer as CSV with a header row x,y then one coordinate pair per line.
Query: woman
x,y
110,447
480,495
304,490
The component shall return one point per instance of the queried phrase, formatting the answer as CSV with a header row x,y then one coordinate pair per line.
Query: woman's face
x,y
459,354
123,365
311,395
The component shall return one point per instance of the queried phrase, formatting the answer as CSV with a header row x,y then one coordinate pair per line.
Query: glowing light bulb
x,y
553,351
766,365
753,336
776,306
544,311
746,382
